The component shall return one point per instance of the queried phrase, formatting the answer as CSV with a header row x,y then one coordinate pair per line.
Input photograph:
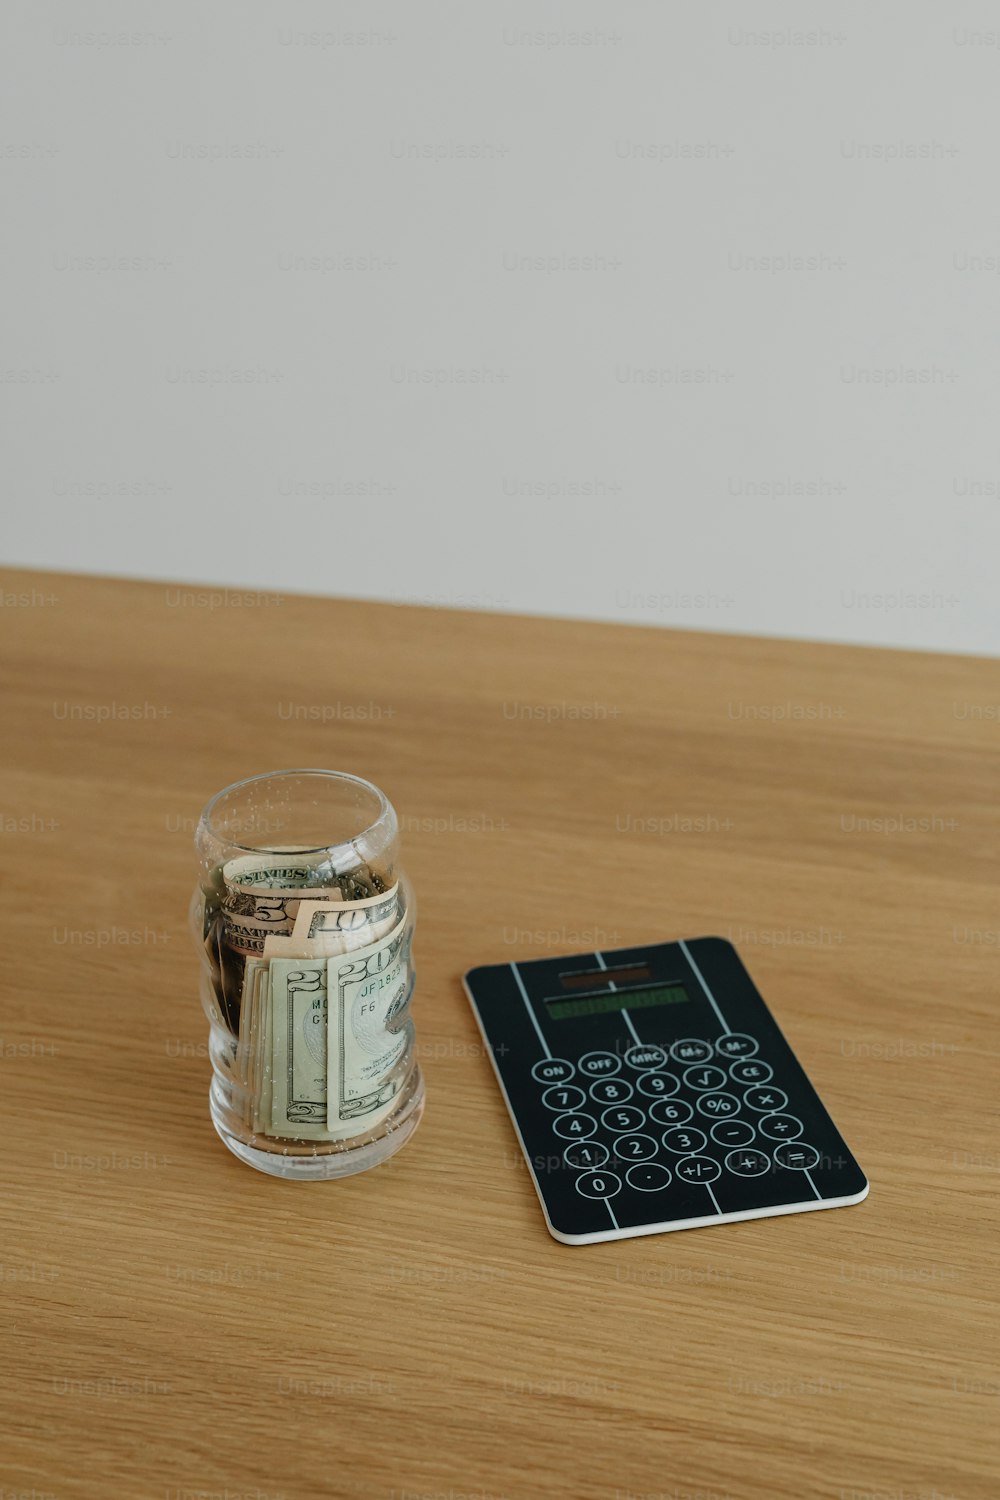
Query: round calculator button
x,y
765,1099
670,1112
611,1091
642,1058
574,1127
718,1106
598,1184
751,1071
732,1132
685,1140
552,1070
701,1169
703,1077
736,1044
748,1163
625,1119
658,1085
563,1096
635,1147
797,1155
585,1156
600,1064
649,1177
781,1127
690,1050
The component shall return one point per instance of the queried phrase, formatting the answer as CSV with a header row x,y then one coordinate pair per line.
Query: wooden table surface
x,y
176,1325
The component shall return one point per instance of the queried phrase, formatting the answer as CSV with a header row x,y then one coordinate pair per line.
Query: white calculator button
x,y
800,1156
642,1058
574,1127
732,1132
610,1091
600,1064
690,1050
698,1169
736,1044
702,1077
766,1099
552,1070
781,1127
684,1140
748,1163
670,1111
563,1096
625,1119
598,1184
586,1155
718,1106
658,1085
751,1072
635,1147
650,1177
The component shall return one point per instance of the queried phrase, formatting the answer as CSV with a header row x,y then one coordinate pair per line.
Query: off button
x,y
600,1064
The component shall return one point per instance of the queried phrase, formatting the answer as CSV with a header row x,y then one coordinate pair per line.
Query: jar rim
x,y
386,812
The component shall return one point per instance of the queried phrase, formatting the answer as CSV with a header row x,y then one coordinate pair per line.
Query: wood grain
x,y
177,1325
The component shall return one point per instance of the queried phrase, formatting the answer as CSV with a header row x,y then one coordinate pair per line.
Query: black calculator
x,y
651,1090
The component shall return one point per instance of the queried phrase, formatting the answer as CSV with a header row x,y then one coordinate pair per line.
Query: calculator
x,y
651,1089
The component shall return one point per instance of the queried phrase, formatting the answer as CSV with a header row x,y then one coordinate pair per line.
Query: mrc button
x,y
642,1058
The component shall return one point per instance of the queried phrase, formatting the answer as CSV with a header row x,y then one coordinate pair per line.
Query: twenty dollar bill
x,y
332,1054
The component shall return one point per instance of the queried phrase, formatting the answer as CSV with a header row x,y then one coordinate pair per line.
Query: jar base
x,y
325,1166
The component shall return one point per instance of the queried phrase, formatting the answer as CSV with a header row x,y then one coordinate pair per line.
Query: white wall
x,y
242,157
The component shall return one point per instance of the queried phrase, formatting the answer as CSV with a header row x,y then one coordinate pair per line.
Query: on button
x,y
552,1070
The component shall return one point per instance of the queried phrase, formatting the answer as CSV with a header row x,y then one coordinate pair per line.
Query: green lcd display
x,y
608,1000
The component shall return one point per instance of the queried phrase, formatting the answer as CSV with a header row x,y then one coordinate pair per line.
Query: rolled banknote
x,y
369,991
261,899
332,1052
291,871
299,1021
273,924
322,929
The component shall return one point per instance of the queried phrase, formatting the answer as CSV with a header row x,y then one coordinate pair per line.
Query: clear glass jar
x,y
304,922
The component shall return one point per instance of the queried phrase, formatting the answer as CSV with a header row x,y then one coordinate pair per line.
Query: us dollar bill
x,y
324,928
369,991
298,1025
271,872
248,921
260,1037
332,1056
255,906
292,871
244,1079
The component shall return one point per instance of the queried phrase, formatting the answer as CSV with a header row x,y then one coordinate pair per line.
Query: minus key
x,y
732,1132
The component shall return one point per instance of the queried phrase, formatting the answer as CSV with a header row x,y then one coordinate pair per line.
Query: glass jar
x,y
304,922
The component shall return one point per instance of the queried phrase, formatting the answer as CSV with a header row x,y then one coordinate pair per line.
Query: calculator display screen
x,y
608,1000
